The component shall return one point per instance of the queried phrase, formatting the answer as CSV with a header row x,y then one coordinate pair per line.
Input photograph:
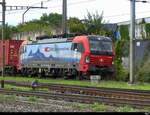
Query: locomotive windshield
x,y
102,47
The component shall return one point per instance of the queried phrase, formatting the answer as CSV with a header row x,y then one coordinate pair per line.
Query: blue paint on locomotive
x,y
50,52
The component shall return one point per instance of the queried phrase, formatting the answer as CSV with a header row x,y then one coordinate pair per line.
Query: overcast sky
x,y
113,10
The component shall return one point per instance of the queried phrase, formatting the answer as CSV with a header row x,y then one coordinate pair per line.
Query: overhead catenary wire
x,y
37,3
110,16
85,1
70,4
80,2
52,6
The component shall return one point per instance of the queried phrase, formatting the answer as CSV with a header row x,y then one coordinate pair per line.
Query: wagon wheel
x,y
79,76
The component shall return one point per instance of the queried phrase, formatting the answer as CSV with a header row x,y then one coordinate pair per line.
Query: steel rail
x,y
80,98
49,85
94,91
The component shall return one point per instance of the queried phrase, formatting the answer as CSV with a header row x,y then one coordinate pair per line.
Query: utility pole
x,y
132,36
23,15
28,8
64,17
3,40
3,3
11,8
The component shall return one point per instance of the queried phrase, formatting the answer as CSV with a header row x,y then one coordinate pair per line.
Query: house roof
x,y
139,20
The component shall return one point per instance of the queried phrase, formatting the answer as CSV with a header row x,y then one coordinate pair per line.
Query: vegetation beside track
x,y
109,84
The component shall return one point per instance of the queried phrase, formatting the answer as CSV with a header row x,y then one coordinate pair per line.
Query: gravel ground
x,y
34,104
40,105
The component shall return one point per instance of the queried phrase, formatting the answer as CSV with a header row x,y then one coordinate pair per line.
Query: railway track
x,y
80,98
91,91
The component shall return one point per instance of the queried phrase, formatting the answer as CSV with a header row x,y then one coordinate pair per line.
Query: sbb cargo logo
x,y
47,49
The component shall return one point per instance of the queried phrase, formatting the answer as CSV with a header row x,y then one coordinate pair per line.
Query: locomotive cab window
x,y
101,46
77,47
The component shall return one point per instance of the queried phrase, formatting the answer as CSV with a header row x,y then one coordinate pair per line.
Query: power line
x,y
141,1
40,2
11,8
74,3
80,2
111,16
126,14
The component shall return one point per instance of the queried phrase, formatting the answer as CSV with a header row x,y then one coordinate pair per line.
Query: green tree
x,y
9,31
124,32
46,22
92,24
147,29
75,25
53,19
122,50
34,25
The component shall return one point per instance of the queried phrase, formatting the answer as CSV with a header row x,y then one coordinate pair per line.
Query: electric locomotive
x,y
79,56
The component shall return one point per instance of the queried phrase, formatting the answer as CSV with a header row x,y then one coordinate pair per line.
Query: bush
x,y
121,74
122,50
144,73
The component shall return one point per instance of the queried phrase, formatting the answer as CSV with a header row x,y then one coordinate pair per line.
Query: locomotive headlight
x,y
113,62
87,59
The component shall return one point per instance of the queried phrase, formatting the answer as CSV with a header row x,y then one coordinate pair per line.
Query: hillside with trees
x,y
92,24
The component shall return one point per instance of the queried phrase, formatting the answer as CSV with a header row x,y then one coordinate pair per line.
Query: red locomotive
x,y
79,56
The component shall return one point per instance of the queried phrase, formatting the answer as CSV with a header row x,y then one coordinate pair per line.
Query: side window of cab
x,y
79,47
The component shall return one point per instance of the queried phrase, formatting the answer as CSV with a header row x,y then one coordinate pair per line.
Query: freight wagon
x,y
11,56
78,57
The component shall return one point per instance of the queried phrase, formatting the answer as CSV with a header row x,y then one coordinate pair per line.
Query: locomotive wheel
x,y
24,74
65,77
39,76
29,75
79,76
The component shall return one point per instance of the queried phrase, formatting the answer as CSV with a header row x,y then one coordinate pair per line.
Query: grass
x,y
33,98
110,84
104,108
79,106
127,109
99,107
17,87
7,96
147,109
23,88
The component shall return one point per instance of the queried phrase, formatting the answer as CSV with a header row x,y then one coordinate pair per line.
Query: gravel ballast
x,y
13,105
